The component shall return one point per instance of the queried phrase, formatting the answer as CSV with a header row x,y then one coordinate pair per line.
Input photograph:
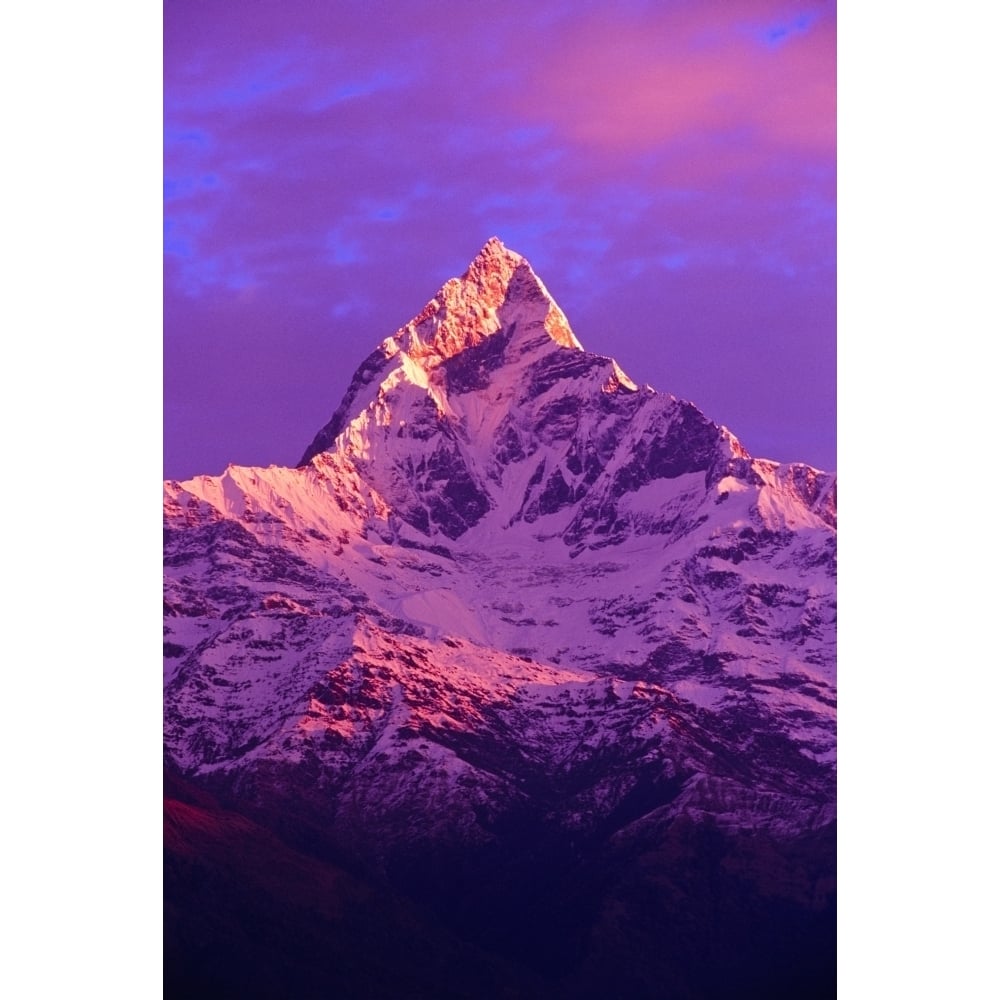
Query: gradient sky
x,y
668,168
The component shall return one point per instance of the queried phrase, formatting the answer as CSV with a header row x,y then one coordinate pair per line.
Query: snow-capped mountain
x,y
514,613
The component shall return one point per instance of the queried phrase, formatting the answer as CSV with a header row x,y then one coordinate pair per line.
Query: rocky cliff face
x,y
517,619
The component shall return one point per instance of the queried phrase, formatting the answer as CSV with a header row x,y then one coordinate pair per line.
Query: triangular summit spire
x,y
499,292
494,253
498,284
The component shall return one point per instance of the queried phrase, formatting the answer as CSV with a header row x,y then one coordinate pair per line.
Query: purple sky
x,y
669,169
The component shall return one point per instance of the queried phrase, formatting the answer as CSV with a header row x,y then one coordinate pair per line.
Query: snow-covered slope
x,y
506,581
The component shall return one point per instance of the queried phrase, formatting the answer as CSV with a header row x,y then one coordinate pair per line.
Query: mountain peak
x,y
497,291
494,251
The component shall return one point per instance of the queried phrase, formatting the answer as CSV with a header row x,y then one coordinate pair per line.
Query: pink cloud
x,y
628,87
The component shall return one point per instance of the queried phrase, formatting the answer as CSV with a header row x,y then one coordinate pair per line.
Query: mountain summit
x,y
498,291
516,622
498,294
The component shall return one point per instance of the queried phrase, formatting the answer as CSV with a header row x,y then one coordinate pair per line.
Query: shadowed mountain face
x,y
539,649
247,916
